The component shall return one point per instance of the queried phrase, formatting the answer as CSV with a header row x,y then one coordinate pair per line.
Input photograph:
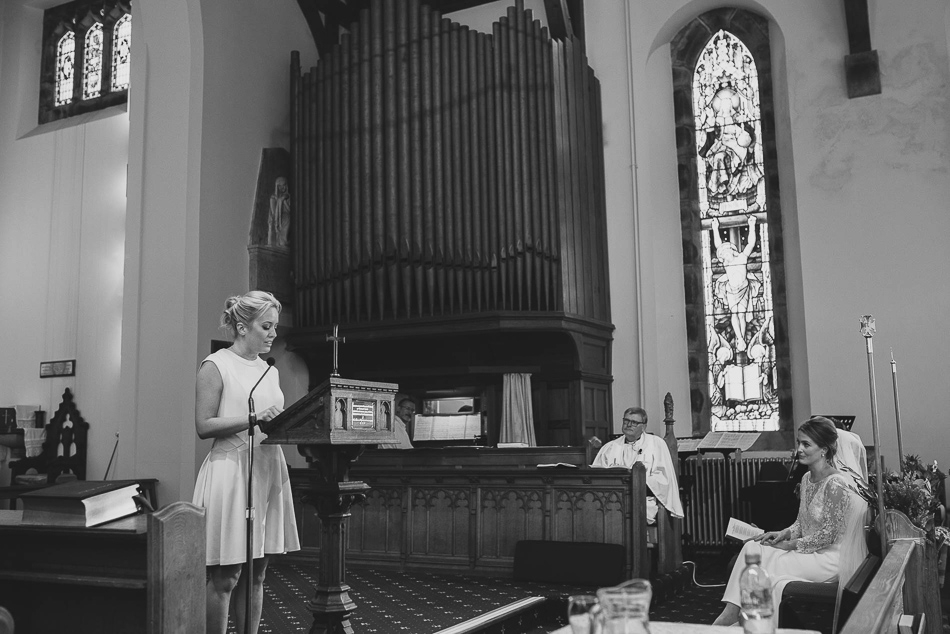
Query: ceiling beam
x,y
559,19
862,66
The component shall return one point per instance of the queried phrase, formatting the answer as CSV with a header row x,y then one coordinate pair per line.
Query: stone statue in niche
x,y
270,237
278,222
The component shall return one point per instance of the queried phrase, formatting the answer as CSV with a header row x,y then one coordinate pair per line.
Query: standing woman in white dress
x,y
225,379
826,543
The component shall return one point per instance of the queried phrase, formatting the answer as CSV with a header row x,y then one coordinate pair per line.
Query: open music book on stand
x,y
447,429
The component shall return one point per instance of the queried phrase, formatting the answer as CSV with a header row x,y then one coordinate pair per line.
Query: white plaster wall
x,y
873,187
246,107
62,206
159,330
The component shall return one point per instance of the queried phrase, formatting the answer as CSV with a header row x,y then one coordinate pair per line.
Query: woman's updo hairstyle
x,y
244,309
822,431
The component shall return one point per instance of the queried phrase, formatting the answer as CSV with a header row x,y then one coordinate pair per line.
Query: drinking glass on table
x,y
626,608
582,614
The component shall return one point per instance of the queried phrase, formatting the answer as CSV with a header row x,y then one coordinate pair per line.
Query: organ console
x,y
450,210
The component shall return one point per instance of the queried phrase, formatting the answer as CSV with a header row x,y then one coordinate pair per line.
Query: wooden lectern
x,y
331,425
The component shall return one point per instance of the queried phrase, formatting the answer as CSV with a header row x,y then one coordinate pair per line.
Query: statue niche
x,y
269,240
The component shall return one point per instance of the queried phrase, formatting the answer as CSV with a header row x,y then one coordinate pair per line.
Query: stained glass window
x,y
121,52
65,68
736,275
92,63
88,68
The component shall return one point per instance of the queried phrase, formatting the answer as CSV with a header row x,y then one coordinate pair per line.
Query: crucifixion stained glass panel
x,y
737,288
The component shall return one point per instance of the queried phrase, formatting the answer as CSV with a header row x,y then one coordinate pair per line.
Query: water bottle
x,y
755,592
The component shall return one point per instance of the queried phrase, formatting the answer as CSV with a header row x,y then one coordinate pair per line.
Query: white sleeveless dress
x,y
221,486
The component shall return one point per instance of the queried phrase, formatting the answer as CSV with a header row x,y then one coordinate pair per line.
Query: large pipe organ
x,y
449,189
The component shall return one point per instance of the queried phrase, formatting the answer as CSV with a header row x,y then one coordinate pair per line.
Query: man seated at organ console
x,y
405,410
637,446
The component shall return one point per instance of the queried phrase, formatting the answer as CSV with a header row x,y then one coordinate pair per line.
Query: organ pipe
x,y
439,171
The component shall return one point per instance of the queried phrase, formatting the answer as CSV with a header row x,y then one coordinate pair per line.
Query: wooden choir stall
x,y
465,509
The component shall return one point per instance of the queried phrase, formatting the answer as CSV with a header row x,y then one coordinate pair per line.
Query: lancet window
x,y
65,68
732,224
92,63
85,59
121,53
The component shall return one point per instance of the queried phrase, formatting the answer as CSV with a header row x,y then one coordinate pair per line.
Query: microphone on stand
x,y
252,415
249,513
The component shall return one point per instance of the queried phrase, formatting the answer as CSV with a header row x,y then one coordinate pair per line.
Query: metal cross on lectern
x,y
336,341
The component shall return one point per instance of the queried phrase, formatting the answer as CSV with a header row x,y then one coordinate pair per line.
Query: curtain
x,y
517,417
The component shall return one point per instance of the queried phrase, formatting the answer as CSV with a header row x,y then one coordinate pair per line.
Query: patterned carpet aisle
x,y
395,602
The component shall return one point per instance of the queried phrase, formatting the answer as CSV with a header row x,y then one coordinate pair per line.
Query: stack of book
x,y
80,503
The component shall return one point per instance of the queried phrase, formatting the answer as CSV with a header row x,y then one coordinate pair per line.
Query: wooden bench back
x,y
881,606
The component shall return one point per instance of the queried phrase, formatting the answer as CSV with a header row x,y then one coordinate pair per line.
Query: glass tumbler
x,y
582,614
626,608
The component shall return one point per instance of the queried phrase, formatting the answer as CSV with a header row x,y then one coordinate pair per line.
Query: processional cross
x,y
867,331
336,342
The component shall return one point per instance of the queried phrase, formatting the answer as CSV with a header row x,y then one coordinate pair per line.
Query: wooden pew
x,y
880,609
143,574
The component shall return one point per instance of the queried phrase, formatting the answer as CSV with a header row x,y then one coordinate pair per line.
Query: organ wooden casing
x,y
449,189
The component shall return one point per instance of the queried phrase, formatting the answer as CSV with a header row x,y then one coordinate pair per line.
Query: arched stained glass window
x,y
121,52
65,68
737,289
92,63
88,68
730,211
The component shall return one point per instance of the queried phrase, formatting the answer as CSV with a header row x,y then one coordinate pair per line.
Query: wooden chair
x,y
63,455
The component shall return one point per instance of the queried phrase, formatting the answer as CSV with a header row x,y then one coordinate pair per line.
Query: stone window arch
x,y
731,218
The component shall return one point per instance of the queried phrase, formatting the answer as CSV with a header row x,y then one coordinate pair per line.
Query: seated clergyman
x,y
405,410
636,446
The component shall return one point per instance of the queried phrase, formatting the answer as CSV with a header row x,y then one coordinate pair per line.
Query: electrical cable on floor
x,y
703,585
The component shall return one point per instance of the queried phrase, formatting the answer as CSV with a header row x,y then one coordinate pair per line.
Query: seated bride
x,y
826,543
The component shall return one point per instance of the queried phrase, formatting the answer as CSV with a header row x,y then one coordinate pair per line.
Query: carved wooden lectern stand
x,y
330,426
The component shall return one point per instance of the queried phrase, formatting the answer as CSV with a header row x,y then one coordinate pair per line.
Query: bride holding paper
x,y
826,542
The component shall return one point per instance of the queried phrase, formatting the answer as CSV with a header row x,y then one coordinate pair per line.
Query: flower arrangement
x,y
913,492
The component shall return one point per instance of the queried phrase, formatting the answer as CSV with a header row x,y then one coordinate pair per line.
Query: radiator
x,y
714,494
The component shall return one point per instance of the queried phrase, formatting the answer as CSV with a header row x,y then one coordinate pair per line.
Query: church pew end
x,y
522,613
881,607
